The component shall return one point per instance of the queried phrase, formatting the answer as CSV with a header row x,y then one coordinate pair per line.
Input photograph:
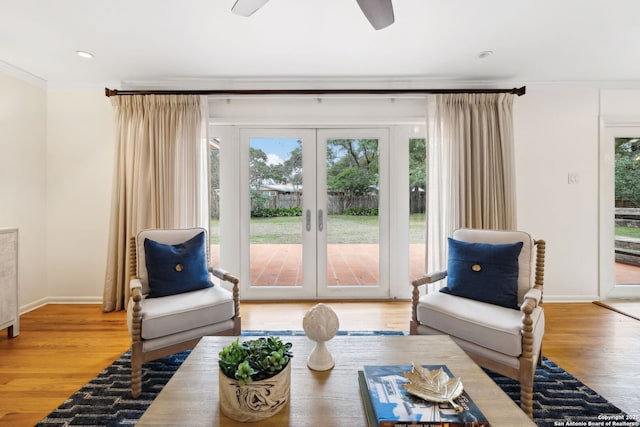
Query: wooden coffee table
x,y
330,398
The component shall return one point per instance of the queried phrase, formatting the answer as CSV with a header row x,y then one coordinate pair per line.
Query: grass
x,y
277,230
627,232
340,229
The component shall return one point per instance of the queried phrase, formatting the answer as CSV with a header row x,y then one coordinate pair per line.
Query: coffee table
x,y
329,398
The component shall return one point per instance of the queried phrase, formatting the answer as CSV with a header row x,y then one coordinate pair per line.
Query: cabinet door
x,y
9,280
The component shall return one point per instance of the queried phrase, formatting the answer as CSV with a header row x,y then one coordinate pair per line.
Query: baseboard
x,y
59,300
98,300
569,298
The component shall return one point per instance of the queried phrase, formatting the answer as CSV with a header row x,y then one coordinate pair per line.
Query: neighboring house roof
x,y
282,188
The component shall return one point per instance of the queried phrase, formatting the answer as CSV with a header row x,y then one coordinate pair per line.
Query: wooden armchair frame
x,y
138,355
528,360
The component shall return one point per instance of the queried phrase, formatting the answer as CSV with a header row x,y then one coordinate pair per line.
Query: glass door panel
x,y
352,214
276,245
214,200
627,210
417,207
314,209
619,210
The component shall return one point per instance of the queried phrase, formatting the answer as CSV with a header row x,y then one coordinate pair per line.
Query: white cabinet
x,y
9,316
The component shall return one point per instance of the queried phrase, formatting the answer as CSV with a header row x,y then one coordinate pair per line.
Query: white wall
x,y
556,133
620,104
22,176
80,151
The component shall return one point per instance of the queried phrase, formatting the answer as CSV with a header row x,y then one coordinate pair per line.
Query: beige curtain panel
x,y
160,176
471,167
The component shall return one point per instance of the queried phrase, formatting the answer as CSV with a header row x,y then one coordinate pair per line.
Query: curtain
x,y
471,167
160,176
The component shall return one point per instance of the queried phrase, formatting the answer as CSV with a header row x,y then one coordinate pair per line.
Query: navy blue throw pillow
x,y
484,272
174,269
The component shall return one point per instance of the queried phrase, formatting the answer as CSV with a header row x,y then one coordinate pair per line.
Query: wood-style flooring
x,y
61,347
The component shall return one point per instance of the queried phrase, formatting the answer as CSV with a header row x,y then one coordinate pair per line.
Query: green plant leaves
x,y
254,360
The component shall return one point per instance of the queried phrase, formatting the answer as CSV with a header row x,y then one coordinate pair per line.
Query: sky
x,y
277,149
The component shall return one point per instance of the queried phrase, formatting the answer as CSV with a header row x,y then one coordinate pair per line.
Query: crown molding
x,y
363,82
306,83
23,75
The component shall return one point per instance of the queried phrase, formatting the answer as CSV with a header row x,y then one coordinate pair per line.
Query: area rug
x,y
559,398
628,307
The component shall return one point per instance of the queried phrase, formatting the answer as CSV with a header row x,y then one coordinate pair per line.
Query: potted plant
x,y
254,378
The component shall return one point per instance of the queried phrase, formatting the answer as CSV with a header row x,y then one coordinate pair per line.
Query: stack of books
x,y
388,404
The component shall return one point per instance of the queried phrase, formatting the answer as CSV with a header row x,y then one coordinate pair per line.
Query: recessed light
x,y
84,54
485,54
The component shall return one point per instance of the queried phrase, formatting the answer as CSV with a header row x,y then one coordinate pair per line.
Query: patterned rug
x,y
559,398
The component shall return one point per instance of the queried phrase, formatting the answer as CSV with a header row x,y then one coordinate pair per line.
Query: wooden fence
x,y
627,248
336,204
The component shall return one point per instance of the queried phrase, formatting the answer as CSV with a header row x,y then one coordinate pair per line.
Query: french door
x,y
619,210
314,208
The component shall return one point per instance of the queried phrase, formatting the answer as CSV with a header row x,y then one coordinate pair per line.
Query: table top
x,y
328,398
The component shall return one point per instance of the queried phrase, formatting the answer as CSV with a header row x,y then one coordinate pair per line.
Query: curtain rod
x,y
115,92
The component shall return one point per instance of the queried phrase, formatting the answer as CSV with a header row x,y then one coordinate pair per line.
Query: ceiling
x,y
190,43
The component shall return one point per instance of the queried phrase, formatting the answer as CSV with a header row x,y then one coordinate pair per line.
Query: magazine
x,y
388,404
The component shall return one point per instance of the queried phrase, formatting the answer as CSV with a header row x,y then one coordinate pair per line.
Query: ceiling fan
x,y
378,12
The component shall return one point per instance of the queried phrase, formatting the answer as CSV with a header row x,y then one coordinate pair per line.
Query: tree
x,y
214,181
351,181
292,167
352,166
627,171
418,164
259,170
288,172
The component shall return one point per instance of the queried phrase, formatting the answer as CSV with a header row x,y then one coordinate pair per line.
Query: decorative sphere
x,y
320,323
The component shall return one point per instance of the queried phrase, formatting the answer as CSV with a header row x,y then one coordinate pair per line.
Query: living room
x,y
57,153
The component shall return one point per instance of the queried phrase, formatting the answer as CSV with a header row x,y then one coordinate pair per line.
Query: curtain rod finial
x,y
110,92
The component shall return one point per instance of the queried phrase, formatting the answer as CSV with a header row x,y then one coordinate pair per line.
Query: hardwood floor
x,y
61,347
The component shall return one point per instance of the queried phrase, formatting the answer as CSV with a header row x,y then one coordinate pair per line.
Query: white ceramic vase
x,y
256,400
320,324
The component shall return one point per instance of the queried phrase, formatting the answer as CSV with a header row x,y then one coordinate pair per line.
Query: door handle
x,y
320,221
308,220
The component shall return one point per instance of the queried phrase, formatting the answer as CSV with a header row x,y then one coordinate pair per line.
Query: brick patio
x,y
349,264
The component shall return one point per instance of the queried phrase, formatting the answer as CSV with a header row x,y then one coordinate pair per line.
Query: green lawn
x,y
344,229
341,229
628,232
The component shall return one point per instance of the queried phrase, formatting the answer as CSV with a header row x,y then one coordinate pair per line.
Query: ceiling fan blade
x,y
247,7
378,12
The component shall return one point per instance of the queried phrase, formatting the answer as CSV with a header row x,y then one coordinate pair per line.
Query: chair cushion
x,y
484,272
178,268
526,261
185,311
487,325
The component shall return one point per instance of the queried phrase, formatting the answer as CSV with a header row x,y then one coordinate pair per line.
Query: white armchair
x,y
171,307
501,332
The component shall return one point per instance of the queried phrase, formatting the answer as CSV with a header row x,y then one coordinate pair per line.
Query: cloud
x,y
274,159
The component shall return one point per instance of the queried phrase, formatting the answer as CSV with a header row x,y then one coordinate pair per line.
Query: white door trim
x,y
610,128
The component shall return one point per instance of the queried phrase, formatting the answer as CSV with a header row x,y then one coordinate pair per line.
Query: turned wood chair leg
x,y
527,375
136,373
540,357
526,399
